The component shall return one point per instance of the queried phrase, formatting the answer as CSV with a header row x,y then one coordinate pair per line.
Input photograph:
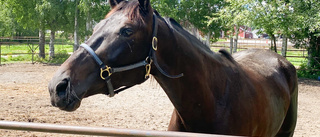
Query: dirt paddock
x,y
24,97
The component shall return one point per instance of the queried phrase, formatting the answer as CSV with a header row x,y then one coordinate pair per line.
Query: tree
x,y
26,17
233,15
194,12
306,33
268,17
9,26
83,14
76,25
53,16
198,12
297,20
6,20
168,8
271,17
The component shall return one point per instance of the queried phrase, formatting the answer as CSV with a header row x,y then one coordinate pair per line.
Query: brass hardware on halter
x,y
155,43
148,70
105,70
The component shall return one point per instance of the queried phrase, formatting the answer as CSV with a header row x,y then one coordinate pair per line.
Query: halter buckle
x,y
107,69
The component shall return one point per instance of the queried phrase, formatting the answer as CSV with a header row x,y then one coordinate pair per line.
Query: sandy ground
x,y
24,97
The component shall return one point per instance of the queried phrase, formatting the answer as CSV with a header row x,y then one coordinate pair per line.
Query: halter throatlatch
x,y
107,71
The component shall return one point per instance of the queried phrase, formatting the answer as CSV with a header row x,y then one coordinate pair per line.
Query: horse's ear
x,y
114,3
145,6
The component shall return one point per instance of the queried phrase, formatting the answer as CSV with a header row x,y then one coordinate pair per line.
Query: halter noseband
x,y
151,58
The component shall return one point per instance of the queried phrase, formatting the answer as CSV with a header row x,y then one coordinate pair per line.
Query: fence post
x,y
32,50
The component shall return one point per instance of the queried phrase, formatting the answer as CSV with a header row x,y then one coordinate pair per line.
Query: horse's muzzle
x,y
63,96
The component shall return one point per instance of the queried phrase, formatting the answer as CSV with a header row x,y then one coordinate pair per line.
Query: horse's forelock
x,y
132,9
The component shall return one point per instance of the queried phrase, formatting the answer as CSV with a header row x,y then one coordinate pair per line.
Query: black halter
x,y
151,58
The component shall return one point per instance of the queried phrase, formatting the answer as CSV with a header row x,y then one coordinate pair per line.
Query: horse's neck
x,y
193,91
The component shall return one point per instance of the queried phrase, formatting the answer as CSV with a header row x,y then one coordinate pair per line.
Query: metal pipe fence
x,y
95,131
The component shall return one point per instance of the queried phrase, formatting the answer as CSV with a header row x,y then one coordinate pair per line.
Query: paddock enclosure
x,y
25,98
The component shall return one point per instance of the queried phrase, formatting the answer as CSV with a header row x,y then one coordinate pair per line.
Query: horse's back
x,y
269,65
280,82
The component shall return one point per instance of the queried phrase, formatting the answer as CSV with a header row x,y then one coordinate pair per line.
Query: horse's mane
x,y
178,28
175,26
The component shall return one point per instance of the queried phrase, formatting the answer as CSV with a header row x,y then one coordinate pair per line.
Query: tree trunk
x,y
42,42
88,26
222,34
284,46
309,64
76,27
271,44
51,44
317,55
208,39
275,44
235,44
231,44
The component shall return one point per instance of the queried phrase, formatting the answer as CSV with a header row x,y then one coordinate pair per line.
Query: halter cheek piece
x,y
107,71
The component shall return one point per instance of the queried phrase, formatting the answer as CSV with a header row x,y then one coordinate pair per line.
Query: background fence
x,y
11,47
30,44
295,56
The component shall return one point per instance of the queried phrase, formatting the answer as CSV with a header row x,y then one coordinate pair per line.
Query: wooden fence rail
x,y
33,42
30,41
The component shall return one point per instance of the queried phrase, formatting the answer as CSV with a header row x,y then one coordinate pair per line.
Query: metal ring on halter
x,y
105,70
155,43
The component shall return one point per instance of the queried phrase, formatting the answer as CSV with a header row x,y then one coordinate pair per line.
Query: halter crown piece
x,y
107,71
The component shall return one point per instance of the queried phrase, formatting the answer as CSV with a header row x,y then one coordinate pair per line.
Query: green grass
x,y
6,49
61,48
306,72
61,51
222,40
294,60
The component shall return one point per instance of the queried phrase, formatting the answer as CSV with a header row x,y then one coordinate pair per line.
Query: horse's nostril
x,y
62,87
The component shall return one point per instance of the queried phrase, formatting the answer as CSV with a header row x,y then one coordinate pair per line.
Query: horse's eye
x,y
126,32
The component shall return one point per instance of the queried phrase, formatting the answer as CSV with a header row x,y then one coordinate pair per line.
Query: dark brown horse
x,y
252,93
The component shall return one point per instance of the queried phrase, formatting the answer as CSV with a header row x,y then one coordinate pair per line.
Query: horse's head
x,y
121,42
